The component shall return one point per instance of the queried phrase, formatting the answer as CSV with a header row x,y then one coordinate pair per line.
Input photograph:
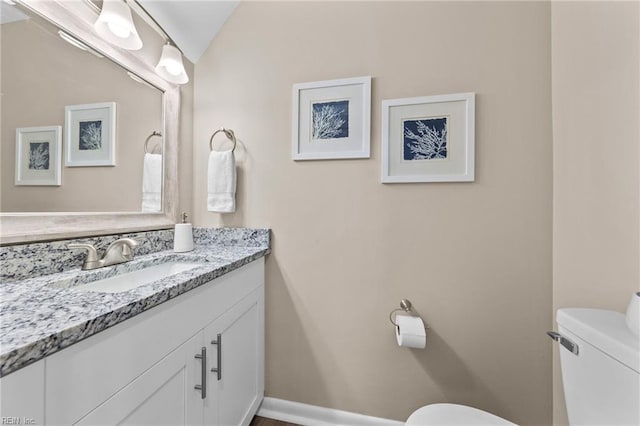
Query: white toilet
x,y
454,415
602,381
600,361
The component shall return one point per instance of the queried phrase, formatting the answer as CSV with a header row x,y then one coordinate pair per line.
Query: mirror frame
x,y
76,18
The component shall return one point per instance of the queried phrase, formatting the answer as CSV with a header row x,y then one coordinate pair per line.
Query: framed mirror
x,y
104,91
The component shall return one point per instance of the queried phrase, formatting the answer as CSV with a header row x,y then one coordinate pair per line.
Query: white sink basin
x,y
129,280
134,279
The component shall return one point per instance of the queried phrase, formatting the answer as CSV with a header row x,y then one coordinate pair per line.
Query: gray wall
x,y
474,258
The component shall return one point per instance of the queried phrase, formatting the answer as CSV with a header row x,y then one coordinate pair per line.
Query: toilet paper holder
x,y
405,305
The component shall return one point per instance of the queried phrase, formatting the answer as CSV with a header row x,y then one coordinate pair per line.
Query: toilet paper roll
x,y
410,332
183,238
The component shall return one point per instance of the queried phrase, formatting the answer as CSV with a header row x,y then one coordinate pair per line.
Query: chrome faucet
x,y
118,252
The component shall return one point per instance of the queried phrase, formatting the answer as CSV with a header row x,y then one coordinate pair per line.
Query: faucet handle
x,y
129,244
126,249
92,254
125,244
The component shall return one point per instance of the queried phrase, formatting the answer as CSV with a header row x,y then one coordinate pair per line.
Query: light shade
x,y
170,66
115,25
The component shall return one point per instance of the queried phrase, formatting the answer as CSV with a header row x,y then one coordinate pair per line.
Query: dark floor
x,y
262,421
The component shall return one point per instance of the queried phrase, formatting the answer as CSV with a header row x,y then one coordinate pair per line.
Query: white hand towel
x,y
152,183
221,180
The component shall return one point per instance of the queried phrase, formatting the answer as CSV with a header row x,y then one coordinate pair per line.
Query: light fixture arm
x,y
144,14
170,66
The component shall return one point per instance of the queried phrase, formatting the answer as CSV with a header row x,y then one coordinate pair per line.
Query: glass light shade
x,y
115,25
170,66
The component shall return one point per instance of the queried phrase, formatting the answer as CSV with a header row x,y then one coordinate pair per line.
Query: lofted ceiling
x,y
10,14
191,24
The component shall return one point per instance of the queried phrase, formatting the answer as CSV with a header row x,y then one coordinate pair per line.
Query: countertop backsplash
x,y
18,262
244,237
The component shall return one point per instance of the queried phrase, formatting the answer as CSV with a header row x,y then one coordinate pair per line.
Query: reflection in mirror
x,y
48,80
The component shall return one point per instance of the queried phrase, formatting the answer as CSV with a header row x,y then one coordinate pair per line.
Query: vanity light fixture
x,y
115,25
170,66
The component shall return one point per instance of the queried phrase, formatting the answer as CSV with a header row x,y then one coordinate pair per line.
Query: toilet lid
x,y
454,415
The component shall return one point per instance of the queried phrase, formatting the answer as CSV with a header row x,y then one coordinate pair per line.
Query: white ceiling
x,y
191,24
10,14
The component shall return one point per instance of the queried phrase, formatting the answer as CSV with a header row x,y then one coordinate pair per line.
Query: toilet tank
x,y
602,381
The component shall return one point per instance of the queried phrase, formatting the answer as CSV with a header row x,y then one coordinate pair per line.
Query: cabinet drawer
x,y
81,377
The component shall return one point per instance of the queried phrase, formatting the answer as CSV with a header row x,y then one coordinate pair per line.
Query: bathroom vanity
x,y
135,342
184,349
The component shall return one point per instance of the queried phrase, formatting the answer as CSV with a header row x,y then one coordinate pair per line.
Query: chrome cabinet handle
x,y
568,344
203,387
218,343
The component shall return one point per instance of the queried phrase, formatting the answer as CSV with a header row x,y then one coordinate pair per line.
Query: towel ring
x,y
228,133
146,142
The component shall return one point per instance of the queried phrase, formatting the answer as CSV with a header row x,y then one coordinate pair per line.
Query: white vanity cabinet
x,y
145,370
172,393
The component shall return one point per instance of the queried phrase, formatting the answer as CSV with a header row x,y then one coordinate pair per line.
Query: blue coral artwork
x,y
39,155
90,135
425,139
330,120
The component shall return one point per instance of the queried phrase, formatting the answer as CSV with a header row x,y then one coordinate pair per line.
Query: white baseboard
x,y
312,415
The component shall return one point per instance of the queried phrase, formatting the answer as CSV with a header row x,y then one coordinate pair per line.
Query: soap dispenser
x,y
183,236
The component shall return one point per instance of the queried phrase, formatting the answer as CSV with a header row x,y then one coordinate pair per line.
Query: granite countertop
x,y
38,319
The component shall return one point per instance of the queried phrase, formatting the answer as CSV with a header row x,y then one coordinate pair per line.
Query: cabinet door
x,y
22,396
236,340
165,394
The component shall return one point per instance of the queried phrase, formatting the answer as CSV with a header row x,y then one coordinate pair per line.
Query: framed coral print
x,y
428,139
38,156
90,135
332,119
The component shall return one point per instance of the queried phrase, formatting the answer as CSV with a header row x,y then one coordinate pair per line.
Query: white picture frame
x,y
90,135
38,156
429,139
332,119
